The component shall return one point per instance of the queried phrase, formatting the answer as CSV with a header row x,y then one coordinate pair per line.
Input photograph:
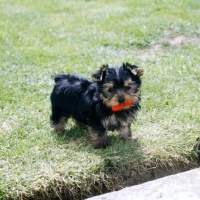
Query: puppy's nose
x,y
121,100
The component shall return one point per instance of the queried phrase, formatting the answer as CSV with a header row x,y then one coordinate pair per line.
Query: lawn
x,y
39,39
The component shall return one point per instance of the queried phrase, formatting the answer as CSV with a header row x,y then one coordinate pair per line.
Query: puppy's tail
x,y
60,77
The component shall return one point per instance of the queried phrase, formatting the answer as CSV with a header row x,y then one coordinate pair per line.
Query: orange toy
x,y
121,106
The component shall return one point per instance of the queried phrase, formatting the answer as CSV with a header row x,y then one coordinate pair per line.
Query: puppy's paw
x,y
134,138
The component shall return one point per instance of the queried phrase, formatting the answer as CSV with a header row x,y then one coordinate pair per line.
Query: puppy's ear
x,y
135,70
99,76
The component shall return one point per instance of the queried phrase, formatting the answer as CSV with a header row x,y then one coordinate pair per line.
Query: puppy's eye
x,y
127,88
110,90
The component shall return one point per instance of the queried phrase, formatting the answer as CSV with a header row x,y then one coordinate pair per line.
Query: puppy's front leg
x,y
125,133
98,137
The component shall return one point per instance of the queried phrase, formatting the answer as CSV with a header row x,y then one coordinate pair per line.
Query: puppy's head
x,y
119,86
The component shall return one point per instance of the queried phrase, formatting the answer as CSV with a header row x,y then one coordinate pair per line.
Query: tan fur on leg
x,y
60,127
98,141
125,133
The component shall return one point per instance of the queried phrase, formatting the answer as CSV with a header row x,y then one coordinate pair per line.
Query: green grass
x,y
39,39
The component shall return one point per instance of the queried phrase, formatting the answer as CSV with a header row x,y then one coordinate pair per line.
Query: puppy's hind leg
x,y
57,121
60,126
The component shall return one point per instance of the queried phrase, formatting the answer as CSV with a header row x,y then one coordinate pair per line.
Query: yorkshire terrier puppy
x,y
109,102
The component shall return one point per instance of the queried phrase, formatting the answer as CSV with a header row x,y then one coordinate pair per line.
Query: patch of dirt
x,y
163,44
174,42
178,40
153,172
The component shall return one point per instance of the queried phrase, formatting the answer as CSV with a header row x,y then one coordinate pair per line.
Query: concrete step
x,y
182,186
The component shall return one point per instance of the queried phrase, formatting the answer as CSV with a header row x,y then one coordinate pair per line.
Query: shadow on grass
x,y
73,137
117,154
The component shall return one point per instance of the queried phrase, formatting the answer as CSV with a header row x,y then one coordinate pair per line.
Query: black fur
x,y
89,102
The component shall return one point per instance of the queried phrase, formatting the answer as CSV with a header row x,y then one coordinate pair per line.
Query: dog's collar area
x,y
121,106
